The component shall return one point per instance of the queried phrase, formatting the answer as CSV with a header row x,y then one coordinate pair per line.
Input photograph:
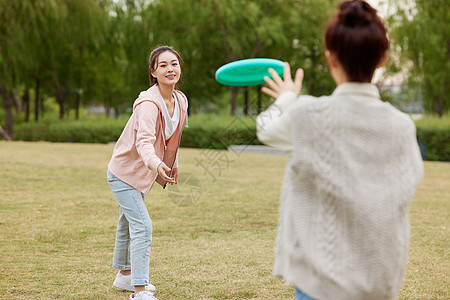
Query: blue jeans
x,y
134,231
299,295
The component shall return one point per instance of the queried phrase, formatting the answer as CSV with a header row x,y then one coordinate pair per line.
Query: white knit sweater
x,y
354,166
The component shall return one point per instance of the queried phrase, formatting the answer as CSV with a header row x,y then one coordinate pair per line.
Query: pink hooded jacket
x,y
142,146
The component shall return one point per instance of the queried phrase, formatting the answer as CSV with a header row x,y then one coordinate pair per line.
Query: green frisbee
x,y
247,72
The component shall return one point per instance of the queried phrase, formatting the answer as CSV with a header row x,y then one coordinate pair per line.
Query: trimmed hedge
x,y
205,131
434,138
71,131
219,134
209,132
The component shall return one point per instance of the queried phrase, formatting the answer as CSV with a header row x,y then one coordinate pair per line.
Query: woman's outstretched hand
x,y
278,86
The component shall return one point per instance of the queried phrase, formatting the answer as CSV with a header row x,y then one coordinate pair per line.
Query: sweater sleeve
x,y
147,116
274,127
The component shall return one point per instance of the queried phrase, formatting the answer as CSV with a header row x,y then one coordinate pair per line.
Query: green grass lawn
x,y
58,220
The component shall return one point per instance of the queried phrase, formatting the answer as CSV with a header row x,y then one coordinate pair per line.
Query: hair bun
x,y
355,13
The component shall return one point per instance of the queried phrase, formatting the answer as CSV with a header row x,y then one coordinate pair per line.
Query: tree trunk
x,y
26,103
438,107
107,111
107,107
4,134
77,106
234,93
435,102
41,105
36,100
7,104
246,105
259,100
60,100
17,104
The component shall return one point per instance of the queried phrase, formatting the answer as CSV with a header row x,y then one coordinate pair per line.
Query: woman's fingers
x,y
167,178
278,86
162,171
163,168
276,78
299,74
271,83
175,175
287,72
269,92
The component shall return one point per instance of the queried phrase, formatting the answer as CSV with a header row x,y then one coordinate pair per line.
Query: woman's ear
x,y
383,59
331,59
150,72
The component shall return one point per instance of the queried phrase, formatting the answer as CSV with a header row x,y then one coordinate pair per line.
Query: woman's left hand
x,y
278,86
175,175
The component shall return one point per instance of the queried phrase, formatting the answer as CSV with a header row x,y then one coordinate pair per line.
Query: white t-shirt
x,y
171,123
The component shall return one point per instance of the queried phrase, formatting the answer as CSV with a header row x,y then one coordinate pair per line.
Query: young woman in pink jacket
x,y
145,153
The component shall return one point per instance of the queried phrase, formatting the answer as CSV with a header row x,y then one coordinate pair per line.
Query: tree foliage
x,y
210,33
78,52
420,32
48,45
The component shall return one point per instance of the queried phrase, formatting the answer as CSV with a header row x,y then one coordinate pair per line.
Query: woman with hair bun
x,y
354,166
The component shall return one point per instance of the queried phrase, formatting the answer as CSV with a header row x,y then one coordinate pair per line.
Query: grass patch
x,y
58,220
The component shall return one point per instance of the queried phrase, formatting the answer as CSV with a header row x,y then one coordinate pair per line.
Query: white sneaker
x,y
124,282
143,296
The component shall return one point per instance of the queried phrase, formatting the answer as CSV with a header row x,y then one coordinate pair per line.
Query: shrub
x,y
218,132
208,131
205,131
92,131
434,137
